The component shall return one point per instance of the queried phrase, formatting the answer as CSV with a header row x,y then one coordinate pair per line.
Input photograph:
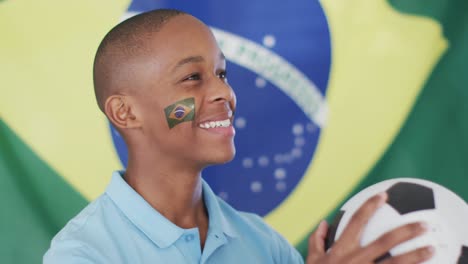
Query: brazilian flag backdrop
x,y
333,96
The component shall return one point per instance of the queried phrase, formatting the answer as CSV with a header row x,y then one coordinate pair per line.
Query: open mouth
x,y
219,121
220,124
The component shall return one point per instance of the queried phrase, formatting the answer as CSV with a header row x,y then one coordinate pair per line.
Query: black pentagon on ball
x,y
407,197
464,256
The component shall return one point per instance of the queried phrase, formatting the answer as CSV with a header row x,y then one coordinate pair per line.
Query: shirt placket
x,y
214,240
189,245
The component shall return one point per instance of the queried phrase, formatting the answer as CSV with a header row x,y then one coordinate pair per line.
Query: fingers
x,y
352,233
392,238
317,241
416,256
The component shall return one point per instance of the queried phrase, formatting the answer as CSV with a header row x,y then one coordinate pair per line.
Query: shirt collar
x,y
217,219
154,225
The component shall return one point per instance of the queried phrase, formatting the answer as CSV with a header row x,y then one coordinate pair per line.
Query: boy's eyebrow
x,y
191,59
194,59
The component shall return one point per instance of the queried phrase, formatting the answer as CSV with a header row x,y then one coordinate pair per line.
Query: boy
x,y
160,78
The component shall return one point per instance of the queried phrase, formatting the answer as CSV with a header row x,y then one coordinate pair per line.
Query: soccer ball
x,y
411,200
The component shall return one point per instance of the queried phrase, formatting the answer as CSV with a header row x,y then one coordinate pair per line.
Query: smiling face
x,y
183,61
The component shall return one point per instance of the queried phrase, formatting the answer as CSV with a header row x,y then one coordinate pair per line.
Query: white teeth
x,y
226,123
213,124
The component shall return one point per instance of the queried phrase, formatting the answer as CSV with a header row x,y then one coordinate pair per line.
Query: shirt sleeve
x,y
284,252
71,253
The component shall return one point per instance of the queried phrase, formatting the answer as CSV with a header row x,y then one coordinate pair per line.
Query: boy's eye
x,y
222,75
194,77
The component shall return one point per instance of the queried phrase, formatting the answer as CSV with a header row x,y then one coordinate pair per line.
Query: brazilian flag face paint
x,y
180,111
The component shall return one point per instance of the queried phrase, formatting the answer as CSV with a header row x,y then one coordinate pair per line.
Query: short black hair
x,y
122,42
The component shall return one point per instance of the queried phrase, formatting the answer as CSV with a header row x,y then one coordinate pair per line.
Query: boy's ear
x,y
120,112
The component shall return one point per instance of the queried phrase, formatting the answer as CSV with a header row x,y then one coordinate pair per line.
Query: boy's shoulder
x,y
82,235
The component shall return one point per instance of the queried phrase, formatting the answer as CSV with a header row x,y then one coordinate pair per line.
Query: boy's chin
x,y
221,159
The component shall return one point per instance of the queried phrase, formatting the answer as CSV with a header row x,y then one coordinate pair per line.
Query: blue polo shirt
x,y
121,227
